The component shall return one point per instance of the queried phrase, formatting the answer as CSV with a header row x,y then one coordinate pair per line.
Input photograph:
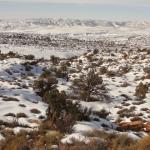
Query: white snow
x,y
13,75
74,137
11,87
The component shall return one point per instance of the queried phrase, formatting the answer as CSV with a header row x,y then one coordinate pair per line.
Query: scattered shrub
x,y
111,73
46,73
92,145
10,99
141,90
102,114
29,57
122,142
45,84
61,73
10,114
103,70
22,105
21,115
86,84
55,60
143,144
35,111
80,61
95,51
124,69
62,111
146,70
126,112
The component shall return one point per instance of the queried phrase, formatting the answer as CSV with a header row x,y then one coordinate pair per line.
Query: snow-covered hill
x,y
72,22
133,32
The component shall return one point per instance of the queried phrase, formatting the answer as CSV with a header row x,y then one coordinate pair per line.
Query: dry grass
x,y
122,142
35,140
46,137
104,141
143,144
18,142
93,145
13,124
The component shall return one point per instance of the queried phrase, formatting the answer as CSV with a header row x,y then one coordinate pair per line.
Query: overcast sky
x,y
128,2
82,9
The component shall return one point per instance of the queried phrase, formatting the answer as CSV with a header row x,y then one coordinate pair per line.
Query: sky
x,y
122,10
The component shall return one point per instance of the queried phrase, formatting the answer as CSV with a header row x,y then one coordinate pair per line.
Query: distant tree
x,y
95,51
61,109
46,73
45,84
141,90
55,60
85,85
60,71
147,70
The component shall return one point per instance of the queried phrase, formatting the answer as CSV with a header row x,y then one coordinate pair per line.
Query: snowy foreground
x,y
121,53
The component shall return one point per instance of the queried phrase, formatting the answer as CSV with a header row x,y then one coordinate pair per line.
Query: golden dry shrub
x,y
122,142
141,90
92,145
18,142
143,144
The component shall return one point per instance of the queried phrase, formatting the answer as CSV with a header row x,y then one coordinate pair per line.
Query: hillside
x,y
74,88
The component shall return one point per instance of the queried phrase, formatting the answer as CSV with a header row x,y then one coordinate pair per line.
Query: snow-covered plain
x,y
16,93
121,32
112,39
